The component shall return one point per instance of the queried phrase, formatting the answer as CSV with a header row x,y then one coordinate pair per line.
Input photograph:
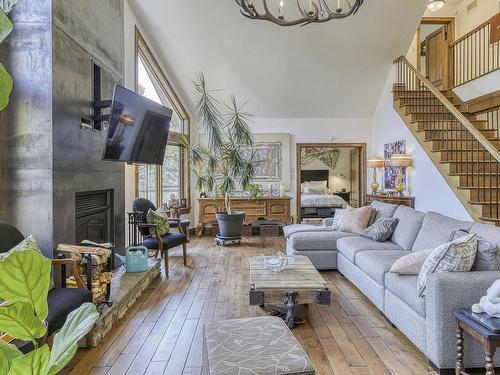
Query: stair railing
x,y
471,155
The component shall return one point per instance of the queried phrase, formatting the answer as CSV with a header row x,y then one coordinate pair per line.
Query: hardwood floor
x,y
162,333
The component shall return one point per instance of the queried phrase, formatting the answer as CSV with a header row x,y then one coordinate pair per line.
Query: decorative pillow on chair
x,y
160,219
411,264
337,218
454,256
355,220
381,230
486,257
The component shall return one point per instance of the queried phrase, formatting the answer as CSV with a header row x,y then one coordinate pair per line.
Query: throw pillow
x,y
486,258
314,190
454,256
411,264
381,230
160,219
356,219
29,243
337,218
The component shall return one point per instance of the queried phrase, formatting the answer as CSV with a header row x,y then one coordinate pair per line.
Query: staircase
x,y
464,148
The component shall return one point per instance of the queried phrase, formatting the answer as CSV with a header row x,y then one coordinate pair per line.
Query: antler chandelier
x,y
308,11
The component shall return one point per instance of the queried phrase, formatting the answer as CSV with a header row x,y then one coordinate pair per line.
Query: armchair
x,y
147,234
61,300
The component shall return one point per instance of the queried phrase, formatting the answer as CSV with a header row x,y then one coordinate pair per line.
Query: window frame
x,y
143,51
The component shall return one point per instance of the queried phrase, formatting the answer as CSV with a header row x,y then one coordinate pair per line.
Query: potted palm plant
x,y
224,163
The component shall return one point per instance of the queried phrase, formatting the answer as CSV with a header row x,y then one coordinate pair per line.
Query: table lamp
x,y
375,162
400,161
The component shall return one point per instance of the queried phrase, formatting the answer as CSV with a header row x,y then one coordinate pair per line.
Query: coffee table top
x,y
299,276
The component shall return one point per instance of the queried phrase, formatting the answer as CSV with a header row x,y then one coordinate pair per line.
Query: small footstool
x,y
263,346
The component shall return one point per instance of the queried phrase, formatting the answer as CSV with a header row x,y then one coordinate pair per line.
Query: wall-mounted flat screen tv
x,y
138,129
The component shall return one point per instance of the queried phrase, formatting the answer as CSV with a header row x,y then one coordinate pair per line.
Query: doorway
x,y
329,176
434,37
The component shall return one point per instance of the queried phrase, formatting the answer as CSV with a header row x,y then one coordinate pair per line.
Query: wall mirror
x,y
329,176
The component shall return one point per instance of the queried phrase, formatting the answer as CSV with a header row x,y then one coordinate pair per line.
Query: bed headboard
x,y
315,175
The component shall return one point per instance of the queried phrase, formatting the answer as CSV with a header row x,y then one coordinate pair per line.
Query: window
x,y
159,183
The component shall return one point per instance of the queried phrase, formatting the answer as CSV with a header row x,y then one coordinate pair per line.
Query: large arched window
x,y
152,182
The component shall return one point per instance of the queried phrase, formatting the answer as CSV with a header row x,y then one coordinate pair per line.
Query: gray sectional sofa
x,y
426,321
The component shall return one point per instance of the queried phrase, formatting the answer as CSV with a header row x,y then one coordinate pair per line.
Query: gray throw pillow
x,y
337,218
454,256
486,257
381,230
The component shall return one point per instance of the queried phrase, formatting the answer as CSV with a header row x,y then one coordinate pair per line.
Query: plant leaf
x,y
25,277
8,352
5,87
7,5
77,325
18,320
33,363
5,26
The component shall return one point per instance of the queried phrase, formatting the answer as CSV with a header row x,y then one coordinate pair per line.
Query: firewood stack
x,y
100,276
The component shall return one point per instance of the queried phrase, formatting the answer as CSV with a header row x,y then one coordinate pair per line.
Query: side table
x,y
488,339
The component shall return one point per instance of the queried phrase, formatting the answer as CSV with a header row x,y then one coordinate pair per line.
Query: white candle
x,y
280,9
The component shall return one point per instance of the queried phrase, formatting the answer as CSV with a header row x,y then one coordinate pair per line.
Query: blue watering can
x,y
136,259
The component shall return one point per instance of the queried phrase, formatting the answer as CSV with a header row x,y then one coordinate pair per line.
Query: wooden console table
x,y
392,199
269,208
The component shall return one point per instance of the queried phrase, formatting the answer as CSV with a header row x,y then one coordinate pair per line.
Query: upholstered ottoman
x,y
262,346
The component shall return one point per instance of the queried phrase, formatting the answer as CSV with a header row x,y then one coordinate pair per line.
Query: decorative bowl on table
x,y
278,262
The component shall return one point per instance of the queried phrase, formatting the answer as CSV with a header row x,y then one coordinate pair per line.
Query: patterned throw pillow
x,y
27,244
356,220
454,256
160,219
486,257
337,218
381,230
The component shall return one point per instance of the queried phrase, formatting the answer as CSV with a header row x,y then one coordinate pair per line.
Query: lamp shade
x,y
401,160
375,162
435,5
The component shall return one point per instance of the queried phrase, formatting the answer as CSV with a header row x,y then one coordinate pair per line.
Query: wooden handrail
x,y
472,32
454,111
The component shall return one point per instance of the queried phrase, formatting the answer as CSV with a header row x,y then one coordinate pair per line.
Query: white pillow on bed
x,y
314,191
316,184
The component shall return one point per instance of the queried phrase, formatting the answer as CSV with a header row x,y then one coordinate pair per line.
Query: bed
x,y
316,200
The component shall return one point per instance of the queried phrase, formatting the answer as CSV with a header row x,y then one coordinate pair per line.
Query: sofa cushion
x,y
486,257
436,230
350,246
489,233
297,228
376,263
383,210
405,287
406,231
304,241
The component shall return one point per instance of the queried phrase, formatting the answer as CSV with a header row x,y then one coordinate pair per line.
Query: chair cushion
x,y
305,241
405,287
170,240
436,230
350,246
62,301
383,210
376,263
406,231
9,236
297,228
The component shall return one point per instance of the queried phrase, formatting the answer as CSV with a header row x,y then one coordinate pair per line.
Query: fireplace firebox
x,y
94,216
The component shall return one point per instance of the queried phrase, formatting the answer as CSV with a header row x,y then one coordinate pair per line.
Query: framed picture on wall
x,y
391,173
268,161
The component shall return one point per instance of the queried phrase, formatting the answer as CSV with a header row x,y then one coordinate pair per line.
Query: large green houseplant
x,y
6,28
224,163
24,286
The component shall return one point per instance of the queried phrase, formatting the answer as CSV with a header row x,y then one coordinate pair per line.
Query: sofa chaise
x,y
426,321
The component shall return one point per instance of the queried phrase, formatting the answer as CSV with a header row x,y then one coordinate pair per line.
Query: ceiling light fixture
x,y
435,5
303,13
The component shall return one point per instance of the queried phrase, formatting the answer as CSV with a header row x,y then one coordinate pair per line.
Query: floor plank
x,y
162,332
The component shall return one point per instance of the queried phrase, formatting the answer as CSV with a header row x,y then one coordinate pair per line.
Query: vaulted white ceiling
x,y
331,70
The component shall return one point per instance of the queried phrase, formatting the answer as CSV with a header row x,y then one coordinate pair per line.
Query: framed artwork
x,y
268,160
391,173
326,155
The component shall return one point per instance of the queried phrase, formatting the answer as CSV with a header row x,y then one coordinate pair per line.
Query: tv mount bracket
x,y
99,104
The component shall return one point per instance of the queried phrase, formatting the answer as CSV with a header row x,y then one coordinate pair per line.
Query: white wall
x,y
425,182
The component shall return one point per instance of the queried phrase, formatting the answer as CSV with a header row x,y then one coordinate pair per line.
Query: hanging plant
x,y
5,29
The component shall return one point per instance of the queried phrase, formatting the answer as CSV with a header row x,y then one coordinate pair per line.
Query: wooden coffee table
x,y
300,284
